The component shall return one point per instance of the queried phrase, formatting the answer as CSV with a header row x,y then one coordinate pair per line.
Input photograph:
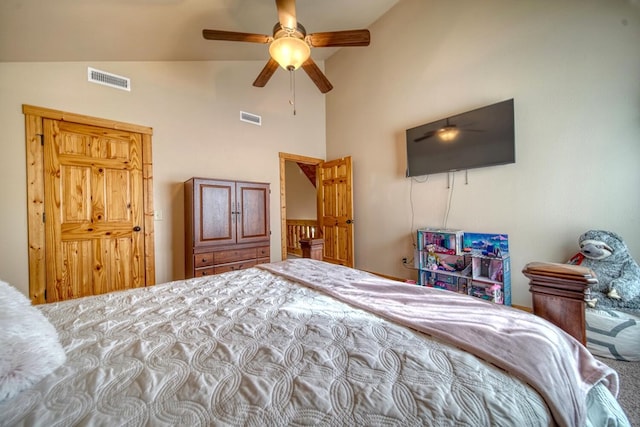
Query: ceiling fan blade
x,y
340,38
266,73
287,13
425,136
233,36
316,74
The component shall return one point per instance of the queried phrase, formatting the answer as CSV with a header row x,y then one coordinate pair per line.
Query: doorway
x,y
284,227
334,183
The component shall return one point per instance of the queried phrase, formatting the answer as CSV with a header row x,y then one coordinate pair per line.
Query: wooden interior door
x,y
90,210
335,210
94,210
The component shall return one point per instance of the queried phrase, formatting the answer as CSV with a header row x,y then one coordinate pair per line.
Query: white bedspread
x,y
253,348
555,364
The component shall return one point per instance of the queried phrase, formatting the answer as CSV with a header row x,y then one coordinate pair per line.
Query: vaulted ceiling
x,y
161,30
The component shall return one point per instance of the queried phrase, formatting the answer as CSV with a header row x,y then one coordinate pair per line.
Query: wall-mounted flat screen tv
x,y
474,139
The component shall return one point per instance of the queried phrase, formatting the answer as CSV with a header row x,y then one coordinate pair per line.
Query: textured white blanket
x,y
253,348
555,364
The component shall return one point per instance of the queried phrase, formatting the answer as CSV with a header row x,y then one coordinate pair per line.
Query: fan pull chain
x,y
292,89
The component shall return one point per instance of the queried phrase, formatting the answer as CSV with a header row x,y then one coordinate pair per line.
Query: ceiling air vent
x,y
250,118
108,79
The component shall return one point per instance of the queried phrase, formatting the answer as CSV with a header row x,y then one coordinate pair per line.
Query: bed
x,y
304,342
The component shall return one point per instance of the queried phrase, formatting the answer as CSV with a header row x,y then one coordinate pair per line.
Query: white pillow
x,y
29,345
613,334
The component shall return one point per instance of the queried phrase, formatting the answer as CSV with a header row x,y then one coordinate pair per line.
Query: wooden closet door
x,y
94,210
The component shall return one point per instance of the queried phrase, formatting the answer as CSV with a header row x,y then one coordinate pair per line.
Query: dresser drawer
x,y
203,260
234,266
232,255
200,272
262,252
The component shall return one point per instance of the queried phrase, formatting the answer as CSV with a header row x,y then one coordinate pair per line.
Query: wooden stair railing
x,y
300,229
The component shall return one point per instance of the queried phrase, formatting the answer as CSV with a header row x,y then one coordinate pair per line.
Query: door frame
x,y
284,157
34,139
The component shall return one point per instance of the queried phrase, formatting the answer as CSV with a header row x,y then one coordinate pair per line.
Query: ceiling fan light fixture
x,y
448,133
289,52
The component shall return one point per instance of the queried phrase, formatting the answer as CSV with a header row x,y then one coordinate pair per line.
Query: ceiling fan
x,y
448,132
290,45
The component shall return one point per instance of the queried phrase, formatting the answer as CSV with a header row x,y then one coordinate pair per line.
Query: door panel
x,y
118,185
335,204
218,200
252,212
94,210
76,206
78,256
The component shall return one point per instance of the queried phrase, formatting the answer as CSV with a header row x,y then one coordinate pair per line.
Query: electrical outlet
x,y
404,260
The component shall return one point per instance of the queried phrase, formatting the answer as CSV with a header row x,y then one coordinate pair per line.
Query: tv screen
x,y
477,138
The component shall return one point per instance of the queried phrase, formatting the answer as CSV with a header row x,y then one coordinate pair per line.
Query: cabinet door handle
x,y
137,228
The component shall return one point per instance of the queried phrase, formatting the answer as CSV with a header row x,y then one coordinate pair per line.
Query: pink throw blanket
x,y
540,354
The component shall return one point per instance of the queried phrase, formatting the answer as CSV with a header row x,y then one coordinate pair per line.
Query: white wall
x,y
193,108
301,194
573,68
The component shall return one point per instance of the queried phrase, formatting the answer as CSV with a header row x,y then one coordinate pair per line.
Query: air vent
x,y
250,118
108,79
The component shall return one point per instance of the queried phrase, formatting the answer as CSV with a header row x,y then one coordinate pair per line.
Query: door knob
x,y
349,221
137,228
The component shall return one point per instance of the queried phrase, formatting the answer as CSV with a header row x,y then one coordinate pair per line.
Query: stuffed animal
x,y
617,272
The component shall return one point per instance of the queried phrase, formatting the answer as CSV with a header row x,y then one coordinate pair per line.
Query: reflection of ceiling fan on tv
x,y
446,133
290,45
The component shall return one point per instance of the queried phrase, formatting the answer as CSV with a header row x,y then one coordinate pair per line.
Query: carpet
x,y
629,396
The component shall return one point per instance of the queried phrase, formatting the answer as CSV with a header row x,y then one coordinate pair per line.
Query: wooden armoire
x,y
226,225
